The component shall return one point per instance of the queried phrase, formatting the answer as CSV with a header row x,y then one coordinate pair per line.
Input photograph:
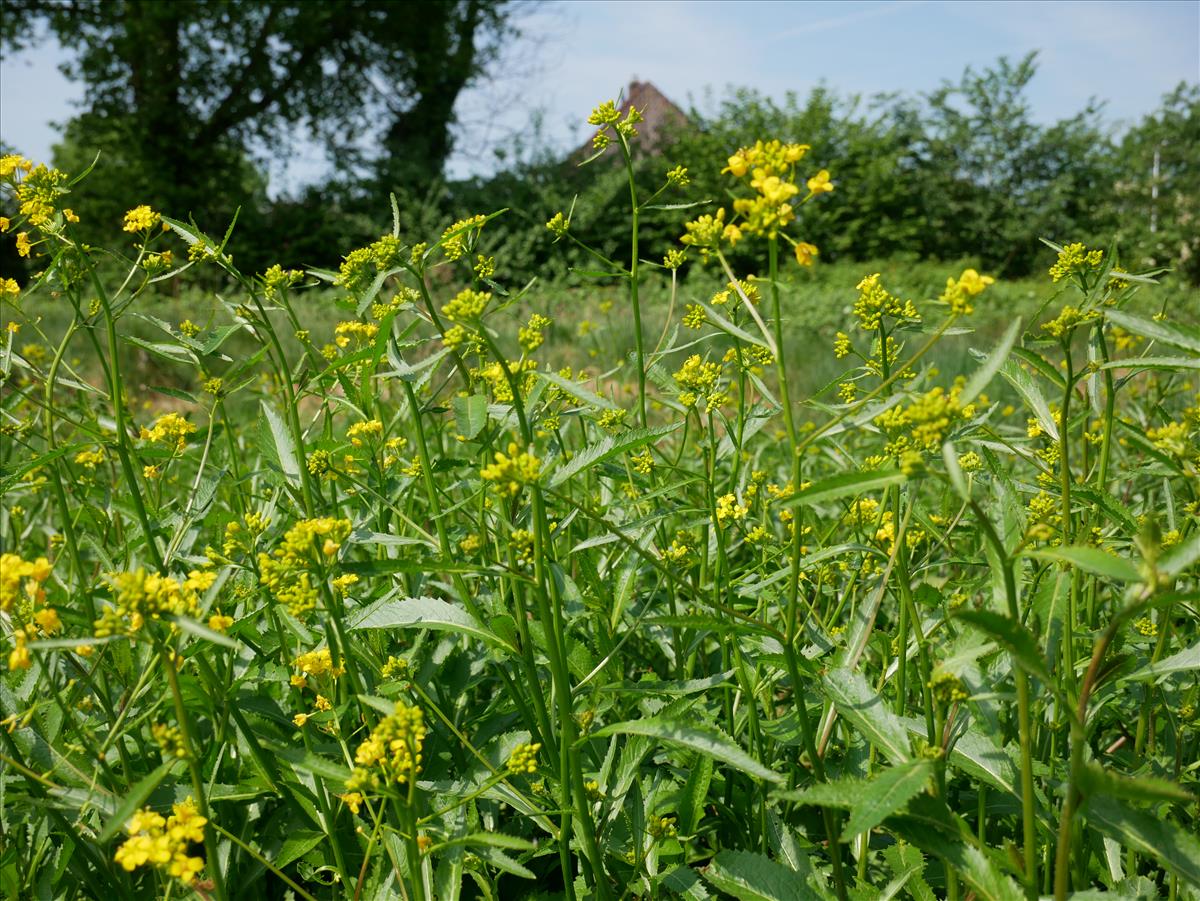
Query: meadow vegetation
x,y
405,580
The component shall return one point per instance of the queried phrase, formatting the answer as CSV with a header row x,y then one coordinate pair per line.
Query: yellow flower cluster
x,y
139,595
164,843
523,372
39,189
959,291
391,755
360,332
531,336
1075,258
523,758
1068,319
874,302
728,509
607,115
277,278
457,239
360,266
708,231
466,305
512,470
22,596
289,572
696,378
923,424
771,167
1171,438
361,432
140,218
318,663
91,458
170,428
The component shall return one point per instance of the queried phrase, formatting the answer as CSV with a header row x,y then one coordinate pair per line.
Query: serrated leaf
x,y
858,703
1013,636
422,613
470,415
577,391
136,797
1153,836
886,794
1166,363
1092,560
705,741
1032,395
991,364
298,843
1185,661
1159,331
285,448
607,448
752,877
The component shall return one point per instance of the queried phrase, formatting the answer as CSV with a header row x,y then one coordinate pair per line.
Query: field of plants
x,y
399,581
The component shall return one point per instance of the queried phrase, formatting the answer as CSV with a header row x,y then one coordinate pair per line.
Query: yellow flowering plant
x,y
406,580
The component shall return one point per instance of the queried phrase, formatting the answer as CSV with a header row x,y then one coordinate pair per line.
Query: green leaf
x,y
886,794
577,391
752,877
1014,637
1097,780
202,631
1032,395
858,703
1186,661
298,843
846,484
1181,556
422,613
136,797
694,794
1159,331
1092,560
470,415
607,448
285,448
991,364
1139,363
1153,836
709,742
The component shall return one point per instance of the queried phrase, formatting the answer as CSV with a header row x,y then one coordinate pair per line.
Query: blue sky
x,y
583,51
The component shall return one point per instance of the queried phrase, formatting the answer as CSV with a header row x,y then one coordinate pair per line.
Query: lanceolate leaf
x,y
422,613
1032,395
1159,331
710,742
1017,639
607,448
858,703
285,447
1092,560
850,484
1153,836
991,365
888,793
752,877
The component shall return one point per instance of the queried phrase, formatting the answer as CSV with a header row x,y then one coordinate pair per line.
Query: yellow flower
x,y
140,218
23,245
219,623
523,758
10,287
806,253
820,183
300,719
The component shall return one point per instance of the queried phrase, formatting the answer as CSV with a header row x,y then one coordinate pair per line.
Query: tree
x,y
1158,190
184,93
992,181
